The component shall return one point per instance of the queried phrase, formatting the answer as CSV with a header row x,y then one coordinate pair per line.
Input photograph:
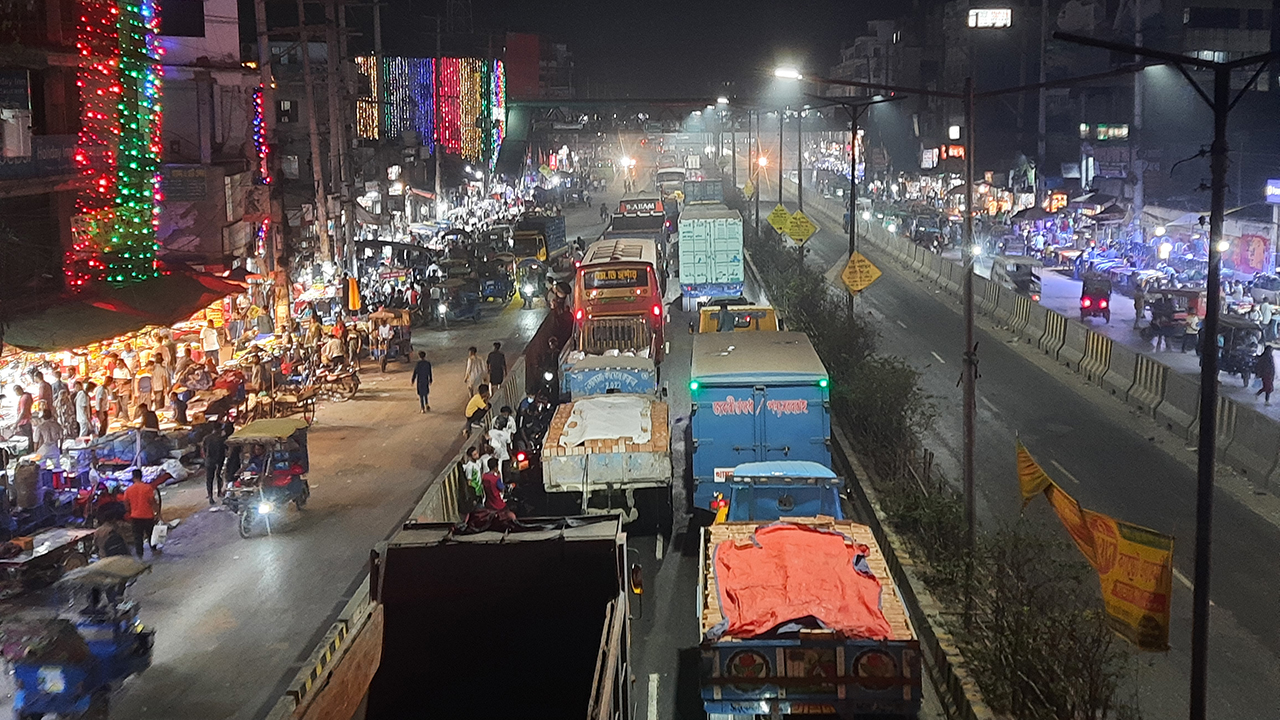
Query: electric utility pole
x,y
313,129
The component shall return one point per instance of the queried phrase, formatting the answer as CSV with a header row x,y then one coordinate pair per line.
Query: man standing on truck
x,y
497,366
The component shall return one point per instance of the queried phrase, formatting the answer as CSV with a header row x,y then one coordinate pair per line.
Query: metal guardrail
x,y
447,498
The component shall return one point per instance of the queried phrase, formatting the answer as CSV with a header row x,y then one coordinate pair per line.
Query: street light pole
x,y
800,165
781,115
754,171
969,372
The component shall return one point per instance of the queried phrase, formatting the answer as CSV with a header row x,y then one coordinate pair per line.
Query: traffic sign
x,y
859,273
748,190
779,218
800,228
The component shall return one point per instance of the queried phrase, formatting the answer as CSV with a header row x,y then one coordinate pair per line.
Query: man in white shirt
x,y
209,342
80,398
1266,318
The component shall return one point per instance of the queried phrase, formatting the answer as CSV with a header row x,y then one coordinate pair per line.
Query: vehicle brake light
x,y
578,315
1102,304
657,310
577,263
1085,302
520,456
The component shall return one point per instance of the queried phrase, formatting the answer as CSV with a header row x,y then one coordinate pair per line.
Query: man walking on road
x,y
497,366
214,446
143,500
422,380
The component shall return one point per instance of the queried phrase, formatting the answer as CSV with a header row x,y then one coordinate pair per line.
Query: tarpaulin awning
x,y
786,573
78,319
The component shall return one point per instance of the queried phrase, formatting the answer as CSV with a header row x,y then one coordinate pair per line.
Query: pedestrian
x,y
422,380
604,212
58,384
44,391
109,537
210,343
1139,306
497,363
184,361
82,404
477,406
499,437
47,440
147,418
143,502
474,373
1267,318
1265,369
214,449
472,470
64,411
179,408
100,399
234,458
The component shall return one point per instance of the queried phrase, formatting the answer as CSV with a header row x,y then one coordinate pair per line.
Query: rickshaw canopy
x,y
267,430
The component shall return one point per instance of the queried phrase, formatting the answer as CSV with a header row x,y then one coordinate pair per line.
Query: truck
x,y
640,218
710,253
756,396
792,646
782,488
611,452
539,238
472,622
604,374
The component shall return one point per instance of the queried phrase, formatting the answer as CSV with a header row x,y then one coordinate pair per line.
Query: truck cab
x,y
785,488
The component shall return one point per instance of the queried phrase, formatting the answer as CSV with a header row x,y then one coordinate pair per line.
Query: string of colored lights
x,y
260,139
470,91
131,250
96,145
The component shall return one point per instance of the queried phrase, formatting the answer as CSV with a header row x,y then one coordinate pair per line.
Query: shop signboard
x,y
15,93
1254,251
51,155
1112,161
1273,191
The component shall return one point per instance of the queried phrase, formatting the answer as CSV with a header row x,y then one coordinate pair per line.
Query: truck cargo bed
x,y
620,463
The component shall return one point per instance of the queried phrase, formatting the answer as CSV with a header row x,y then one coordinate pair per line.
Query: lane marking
x,y
1064,471
653,696
987,402
1183,579
904,325
659,550
944,362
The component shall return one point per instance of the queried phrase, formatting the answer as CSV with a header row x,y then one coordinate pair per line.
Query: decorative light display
x,y
468,101
118,149
260,138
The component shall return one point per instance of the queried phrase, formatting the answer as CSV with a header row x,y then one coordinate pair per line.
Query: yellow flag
x,y
1031,476
1135,567
1073,519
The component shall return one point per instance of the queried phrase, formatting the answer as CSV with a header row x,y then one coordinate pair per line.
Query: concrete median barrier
x,y
1075,345
1122,370
1180,404
1097,357
1004,303
1227,415
932,267
951,278
1255,443
918,255
1020,315
1037,321
1055,333
1149,378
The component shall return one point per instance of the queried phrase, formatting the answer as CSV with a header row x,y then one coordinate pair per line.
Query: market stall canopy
x,y
1033,213
79,319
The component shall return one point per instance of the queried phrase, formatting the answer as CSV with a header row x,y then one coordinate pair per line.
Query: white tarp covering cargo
x,y
608,418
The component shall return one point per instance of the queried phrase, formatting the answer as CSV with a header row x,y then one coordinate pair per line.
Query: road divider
x,y
1255,444
1122,371
1055,334
1179,405
1149,378
1097,357
1021,313
1075,345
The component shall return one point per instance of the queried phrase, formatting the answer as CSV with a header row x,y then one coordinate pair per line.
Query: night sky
x,y
663,48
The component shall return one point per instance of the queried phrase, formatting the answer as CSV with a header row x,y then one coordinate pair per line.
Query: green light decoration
x,y
130,249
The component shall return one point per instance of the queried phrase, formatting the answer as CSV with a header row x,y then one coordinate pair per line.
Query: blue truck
x,y
756,397
783,488
710,253
603,374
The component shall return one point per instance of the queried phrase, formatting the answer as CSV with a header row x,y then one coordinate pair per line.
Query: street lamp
x,y
722,100
787,73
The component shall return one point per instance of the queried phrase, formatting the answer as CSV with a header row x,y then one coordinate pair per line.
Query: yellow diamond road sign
x,y
779,218
800,227
748,190
859,273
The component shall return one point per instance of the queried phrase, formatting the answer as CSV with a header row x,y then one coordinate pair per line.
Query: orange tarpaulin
x,y
787,572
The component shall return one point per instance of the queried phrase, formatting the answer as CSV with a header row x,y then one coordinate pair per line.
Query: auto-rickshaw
x,y
273,468
1171,309
1018,274
496,283
459,300
68,666
531,281
1095,298
457,269
400,346
1239,340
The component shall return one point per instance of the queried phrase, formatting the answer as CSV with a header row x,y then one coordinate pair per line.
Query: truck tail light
x,y
657,310
1102,304
1085,302
578,315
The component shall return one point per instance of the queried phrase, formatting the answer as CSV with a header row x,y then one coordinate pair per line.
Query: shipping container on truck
x,y
503,624
756,397
710,254
611,453
800,666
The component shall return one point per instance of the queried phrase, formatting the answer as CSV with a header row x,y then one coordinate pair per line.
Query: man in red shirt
x,y
143,501
493,487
